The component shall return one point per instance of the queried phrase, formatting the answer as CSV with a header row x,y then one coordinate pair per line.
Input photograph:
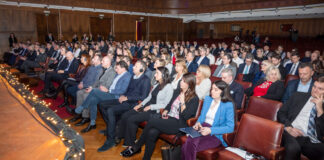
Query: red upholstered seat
x,y
213,68
264,108
264,138
290,77
213,79
239,77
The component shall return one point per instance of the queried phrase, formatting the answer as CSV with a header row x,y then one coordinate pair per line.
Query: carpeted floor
x,y
54,102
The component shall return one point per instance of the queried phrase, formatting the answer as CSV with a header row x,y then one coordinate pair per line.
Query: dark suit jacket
x,y
288,67
292,88
275,91
193,66
48,40
204,61
254,69
237,93
73,67
282,71
290,110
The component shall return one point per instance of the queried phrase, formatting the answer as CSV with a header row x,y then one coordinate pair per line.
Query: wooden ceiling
x,y
176,6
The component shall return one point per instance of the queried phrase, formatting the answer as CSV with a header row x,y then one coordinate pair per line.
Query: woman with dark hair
x,y
12,40
84,50
216,119
183,106
82,70
158,98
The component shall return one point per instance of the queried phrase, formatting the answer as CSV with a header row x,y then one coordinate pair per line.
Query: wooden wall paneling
x,y
74,23
46,24
20,22
306,27
177,6
100,26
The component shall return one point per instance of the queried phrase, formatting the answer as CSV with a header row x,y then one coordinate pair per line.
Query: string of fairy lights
x,y
71,139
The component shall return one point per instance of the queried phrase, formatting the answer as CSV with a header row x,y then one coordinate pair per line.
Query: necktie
x,y
311,130
292,69
67,68
220,71
103,72
246,70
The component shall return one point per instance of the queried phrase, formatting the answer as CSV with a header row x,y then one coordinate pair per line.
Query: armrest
x,y
191,121
72,75
42,64
277,154
229,138
38,69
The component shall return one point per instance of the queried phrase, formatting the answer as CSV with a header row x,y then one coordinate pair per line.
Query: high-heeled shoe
x,y
130,152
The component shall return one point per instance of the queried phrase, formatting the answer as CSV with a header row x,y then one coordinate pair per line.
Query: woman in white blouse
x,y
180,68
167,58
203,82
76,50
219,60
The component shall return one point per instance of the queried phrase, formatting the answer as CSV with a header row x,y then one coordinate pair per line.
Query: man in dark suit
x,y
236,89
248,68
49,38
303,84
191,64
276,61
253,50
202,59
303,118
292,68
67,66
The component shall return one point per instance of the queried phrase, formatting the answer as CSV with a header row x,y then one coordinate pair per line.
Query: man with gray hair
x,y
236,89
105,79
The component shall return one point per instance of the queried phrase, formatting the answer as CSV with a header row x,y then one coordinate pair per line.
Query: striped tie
x,y
311,131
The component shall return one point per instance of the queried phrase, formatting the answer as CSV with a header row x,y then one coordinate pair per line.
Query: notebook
x,y
191,132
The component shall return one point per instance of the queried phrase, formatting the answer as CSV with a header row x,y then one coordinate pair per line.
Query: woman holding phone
x,y
216,119
183,105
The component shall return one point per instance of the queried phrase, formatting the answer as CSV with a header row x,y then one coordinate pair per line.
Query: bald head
x,y
106,62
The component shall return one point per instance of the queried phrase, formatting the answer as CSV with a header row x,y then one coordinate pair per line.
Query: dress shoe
x,y
107,145
61,105
82,122
129,152
75,118
89,128
52,95
69,109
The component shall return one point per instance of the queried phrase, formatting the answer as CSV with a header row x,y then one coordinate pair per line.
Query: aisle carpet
x,y
53,102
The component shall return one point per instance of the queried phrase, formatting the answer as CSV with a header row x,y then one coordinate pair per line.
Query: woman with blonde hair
x,y
203,83
181,69
168,64
269,87
261,74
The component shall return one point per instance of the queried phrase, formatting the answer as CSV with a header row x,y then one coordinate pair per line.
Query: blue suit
x,y
193,66
121,85
223,121
288,68
204,61
254,69
292,88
